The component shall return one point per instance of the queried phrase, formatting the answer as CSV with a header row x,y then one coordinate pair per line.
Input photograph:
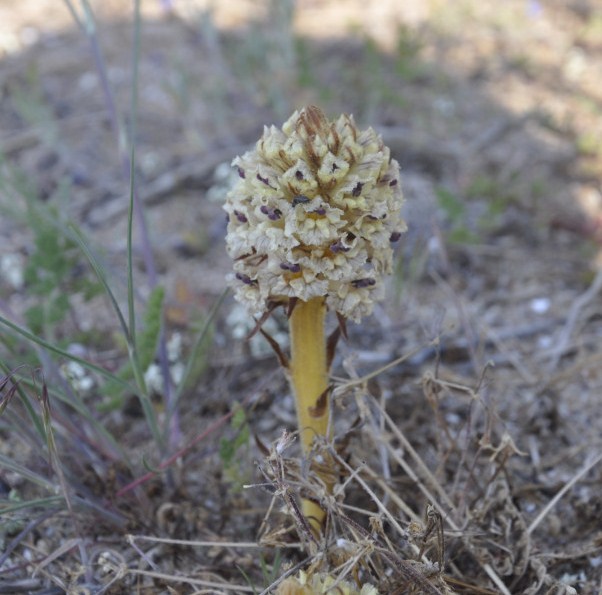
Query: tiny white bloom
x,y
78,376
12,269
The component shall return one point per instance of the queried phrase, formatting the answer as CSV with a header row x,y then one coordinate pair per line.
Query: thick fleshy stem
x,y
308,369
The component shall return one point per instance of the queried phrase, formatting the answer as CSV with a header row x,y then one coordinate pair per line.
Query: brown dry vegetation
x,y
481,446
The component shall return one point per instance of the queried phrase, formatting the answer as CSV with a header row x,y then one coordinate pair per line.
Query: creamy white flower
x,y
321,582
81,381
314,213
357,297
307,283
334,263
314,222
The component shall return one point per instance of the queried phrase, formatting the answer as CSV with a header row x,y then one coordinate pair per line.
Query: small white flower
x,y
12,270
154,379
174,347
78,376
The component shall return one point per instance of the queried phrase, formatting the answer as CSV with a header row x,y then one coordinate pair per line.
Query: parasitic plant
x,y
311,223
306,584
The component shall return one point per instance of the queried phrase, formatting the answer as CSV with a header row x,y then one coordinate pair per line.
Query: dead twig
x,y
571,320
567,486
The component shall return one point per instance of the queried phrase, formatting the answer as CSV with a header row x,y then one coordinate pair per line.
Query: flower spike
x,y
311,223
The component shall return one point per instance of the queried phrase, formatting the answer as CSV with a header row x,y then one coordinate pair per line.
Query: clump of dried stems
x,y
373,534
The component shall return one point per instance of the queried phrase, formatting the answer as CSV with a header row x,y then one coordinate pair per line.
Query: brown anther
x,y
245,279
240,217
357,190
300,199
338,247
266,181
361,283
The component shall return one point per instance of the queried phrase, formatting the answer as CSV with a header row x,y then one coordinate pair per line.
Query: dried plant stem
x,y
567,486
308,370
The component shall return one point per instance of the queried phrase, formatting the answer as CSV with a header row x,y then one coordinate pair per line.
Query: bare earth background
x,y
494,111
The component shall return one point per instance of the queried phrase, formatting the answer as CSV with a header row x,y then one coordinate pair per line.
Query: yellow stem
x,y
309,380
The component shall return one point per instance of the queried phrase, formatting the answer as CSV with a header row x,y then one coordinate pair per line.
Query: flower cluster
x,y
302,584
314,213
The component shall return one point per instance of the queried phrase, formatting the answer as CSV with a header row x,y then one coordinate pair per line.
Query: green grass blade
x,y
133,123
41,502
35,418
7,463
82,410
132,339
100,274
58,351
153,320
198,345
147,407
134,356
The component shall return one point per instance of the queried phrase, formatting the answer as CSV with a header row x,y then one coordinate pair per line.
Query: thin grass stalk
x,y
55,463
195,352
132,174
37,422
101,276
88,26
172,425
58,351
26,473
147,407
128,329
77,404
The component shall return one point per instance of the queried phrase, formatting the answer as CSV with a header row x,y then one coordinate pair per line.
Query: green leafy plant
x,y
455,212
53,271
31,105
407,58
